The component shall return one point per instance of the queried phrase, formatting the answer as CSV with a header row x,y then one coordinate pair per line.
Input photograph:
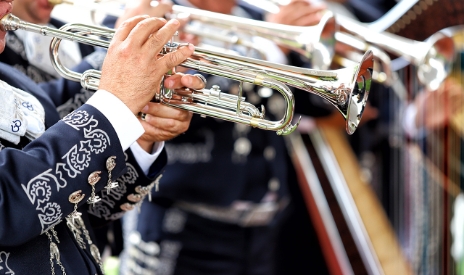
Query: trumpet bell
x,y
360,91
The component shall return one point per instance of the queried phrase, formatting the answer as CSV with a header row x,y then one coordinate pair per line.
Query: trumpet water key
x,y
347,89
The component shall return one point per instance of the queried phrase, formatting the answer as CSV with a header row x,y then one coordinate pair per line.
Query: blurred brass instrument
x,y
347,89
433,57
315,42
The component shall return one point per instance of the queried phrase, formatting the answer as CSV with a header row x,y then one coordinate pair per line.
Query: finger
x,y
155,111
142,32
173,81
309,19
165,128
126,27
306,16
171,60
164,34
196,82
179,81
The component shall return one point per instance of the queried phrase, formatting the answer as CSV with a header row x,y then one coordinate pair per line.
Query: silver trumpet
x,y
433,57
315,43
347,89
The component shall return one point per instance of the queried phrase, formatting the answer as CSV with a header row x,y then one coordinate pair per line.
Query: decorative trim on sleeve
x,y
4,263
40,188
103,209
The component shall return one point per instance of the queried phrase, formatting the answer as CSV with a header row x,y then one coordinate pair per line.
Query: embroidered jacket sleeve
x,y
36,182
133,187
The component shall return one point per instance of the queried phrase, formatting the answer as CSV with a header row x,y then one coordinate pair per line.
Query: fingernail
x,y
145,109
191,47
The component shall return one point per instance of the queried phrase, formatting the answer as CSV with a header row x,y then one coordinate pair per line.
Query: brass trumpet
x,y
347,89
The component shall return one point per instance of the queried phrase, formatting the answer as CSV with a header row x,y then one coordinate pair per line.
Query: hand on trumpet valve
x,y
162,122
137,44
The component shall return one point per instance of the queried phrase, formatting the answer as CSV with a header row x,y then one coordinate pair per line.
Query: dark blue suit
x,y
37,178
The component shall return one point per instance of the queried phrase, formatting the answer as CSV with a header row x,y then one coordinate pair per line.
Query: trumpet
x,y
347,89
314,42
433,58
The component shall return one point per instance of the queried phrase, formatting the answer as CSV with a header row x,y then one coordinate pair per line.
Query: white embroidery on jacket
x,y
4,269
39,189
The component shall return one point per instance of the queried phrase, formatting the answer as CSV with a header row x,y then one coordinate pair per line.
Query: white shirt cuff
x,y
124,122
143,158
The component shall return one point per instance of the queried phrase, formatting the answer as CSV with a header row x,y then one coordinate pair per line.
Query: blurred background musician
x,y
29,52
425,198
416,171
364,139
222,197
435,156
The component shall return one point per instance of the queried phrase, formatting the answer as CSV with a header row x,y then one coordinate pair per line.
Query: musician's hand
x,y
144,7
132,69
298,13
435,108
162,122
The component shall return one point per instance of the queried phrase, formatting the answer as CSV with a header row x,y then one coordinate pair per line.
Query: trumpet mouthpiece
x,y
9,22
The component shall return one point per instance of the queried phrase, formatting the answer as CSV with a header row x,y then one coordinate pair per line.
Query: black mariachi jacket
x,y
37,178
